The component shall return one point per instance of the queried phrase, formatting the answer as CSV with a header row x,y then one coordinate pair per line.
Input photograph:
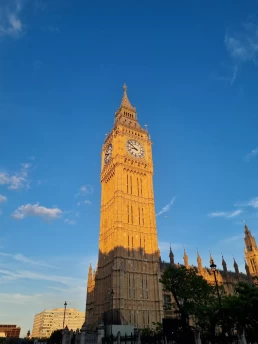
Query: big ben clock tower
x,y
126,280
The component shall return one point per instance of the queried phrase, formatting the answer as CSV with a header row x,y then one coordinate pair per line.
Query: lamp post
x,y
213,267
112,304
65,304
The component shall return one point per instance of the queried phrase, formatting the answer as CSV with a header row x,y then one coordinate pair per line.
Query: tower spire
x,y
171,256
125,101
224,264
199,261
236,267
186,259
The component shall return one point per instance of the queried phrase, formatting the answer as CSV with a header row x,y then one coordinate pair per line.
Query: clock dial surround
x,y
108,153
135,148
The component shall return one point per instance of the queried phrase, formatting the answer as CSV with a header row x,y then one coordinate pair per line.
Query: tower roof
x,y
125,101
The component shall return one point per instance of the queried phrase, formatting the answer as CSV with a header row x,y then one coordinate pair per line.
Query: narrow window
x,y
139,215
131,182
138,191
127,180
142,216
132,214
128,215
141,185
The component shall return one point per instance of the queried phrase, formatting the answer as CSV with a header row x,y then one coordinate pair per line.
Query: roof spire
x,y
125,101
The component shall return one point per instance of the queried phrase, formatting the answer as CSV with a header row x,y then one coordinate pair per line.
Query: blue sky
x,y
191,70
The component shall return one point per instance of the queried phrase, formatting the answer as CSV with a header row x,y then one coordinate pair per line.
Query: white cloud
x,y
85,190
252,154
23,259
70,222
36,210
10,20
252,203
3,199
167,207
18,180
25,274
242,46
227,215
87,202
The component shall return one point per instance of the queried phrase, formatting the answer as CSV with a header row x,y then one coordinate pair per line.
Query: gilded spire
x,y
199,261
186,260
125,101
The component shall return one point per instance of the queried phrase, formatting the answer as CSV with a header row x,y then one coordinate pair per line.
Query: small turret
x,y
211,259
224,265
236,267
171,257
186,260
199,262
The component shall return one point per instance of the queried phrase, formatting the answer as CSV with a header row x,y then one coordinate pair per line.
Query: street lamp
x,y
213,267
65,304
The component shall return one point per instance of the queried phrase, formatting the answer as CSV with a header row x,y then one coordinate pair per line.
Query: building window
x,y
132,214
167,302
131,184
127,183
138,191
128,214
139,215
142,216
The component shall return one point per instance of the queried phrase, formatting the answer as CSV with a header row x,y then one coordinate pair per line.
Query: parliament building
x,y
124,288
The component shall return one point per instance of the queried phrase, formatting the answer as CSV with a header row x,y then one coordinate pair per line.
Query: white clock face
x,y
108,154
135,148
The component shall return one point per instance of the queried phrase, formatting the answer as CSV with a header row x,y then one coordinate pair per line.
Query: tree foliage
x,y
193,296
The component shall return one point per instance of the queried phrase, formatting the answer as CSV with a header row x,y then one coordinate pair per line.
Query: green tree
x,y
193,297
56,337
241,309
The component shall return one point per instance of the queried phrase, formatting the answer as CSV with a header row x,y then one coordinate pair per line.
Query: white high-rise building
x,y
50,320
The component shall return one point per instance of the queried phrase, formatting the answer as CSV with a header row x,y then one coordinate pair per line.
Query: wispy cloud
x,y
70,222
167,207
252,203
25,274
10,19
232,239
252,154
38,211
18,180
242,46
227,215
87,202
84,190
23,259
3,199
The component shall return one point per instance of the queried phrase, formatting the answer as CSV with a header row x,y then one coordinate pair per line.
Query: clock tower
x,y
126,280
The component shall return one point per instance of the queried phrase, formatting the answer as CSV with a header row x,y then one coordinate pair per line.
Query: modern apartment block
x,y
50,320
10,331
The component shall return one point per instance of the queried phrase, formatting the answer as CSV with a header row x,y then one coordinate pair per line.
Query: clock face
x,y
135,148
108,154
